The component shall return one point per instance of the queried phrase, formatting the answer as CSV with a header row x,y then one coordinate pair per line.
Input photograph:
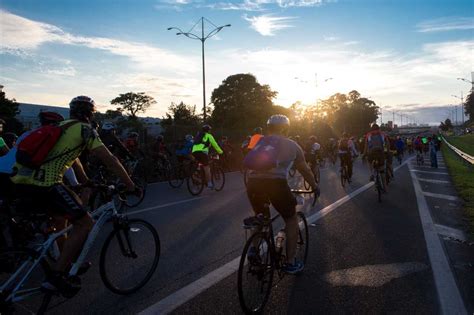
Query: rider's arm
x,y
214,144
79,171
304,169
113,164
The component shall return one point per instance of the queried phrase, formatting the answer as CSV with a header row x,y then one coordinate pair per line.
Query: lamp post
x,y
468,81
462,105
201,38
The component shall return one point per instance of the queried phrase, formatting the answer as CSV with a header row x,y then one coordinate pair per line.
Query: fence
x,y
466,157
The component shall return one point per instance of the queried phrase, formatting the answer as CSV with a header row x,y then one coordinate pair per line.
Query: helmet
x,y
188,138
375,127
133,134
108,126
278,120
258,130
206,128
82,107
313,138
47,118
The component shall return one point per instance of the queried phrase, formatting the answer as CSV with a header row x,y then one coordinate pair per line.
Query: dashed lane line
x,y
433,181
428,172
165,205
449,296
440,196
183,295
427,166
451,232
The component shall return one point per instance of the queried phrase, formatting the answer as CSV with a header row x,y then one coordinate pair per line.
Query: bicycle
x,y
399,157
197,178
180,172
316,173
268,258
419,158
344,171
119,266
379,179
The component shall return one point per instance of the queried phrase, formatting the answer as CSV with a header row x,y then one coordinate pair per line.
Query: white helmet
x,y
278,120
188,138
107,126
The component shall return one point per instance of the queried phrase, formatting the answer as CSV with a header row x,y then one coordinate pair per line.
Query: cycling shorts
x,y
261,191
56,200
201,157
376,155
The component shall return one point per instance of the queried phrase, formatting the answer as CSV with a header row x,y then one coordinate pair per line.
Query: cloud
x,y
446,24
21,35
262,5
267,25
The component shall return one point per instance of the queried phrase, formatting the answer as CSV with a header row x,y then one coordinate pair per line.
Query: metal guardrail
x,y
468,158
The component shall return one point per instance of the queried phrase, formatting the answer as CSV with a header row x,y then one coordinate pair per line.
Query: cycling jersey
x,y
186,149
71,144
8,160
375,140
254,140
206,142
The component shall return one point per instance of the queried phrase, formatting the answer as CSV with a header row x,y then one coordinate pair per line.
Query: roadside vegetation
x,y
463,176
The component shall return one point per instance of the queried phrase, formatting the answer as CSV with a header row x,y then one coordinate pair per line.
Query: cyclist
x,y
410,145
374,148
185,152
347,150
433,152
10,139
271,185
202,142
109,138
43,187
161,151
257,135
313,151
400,145
132,143
3,146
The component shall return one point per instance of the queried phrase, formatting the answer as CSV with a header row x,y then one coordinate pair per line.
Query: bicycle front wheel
x,y
218,178
255,275
129,256
303,238
176,177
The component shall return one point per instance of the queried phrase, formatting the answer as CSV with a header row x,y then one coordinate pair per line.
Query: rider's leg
x,y
349,165
291,231
207,172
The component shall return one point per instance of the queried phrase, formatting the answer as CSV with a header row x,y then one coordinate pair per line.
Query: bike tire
x,y
302,246
10,261
317,174
111,282
246,177
132,201
195,182
218,178
257,269
378,187
176,177
343,177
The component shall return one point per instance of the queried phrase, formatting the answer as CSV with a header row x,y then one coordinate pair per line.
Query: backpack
x,y
35,148
199,139
264,156
344,145
376,141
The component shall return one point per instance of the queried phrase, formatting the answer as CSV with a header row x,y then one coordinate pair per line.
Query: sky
x,y
406,55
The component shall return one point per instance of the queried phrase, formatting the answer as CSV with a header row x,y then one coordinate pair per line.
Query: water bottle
x,y
280,241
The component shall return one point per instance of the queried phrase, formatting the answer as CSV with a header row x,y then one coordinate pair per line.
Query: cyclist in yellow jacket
x,y
202,142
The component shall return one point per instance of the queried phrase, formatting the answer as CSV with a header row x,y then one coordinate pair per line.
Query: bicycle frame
x,y
101,215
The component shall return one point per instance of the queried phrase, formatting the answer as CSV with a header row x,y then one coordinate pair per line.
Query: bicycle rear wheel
x,y
176,177
218,178
317,173
132,201
11,259
129,256
303,238
196,181
343,176
255,275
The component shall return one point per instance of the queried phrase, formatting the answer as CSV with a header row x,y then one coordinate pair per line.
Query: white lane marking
x,y
183,295
165,205
427,166
166,183
428,172
372,275
440,196
450,232
448,293
433,181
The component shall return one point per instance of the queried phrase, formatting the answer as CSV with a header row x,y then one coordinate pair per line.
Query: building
x,y
28,115
390,124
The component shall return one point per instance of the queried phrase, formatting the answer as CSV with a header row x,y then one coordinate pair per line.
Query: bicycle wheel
x,y
129,256
303,238
255,275
218,178
246,177
11,259
196,181
176,177
132,201
343,176
378,187
317,173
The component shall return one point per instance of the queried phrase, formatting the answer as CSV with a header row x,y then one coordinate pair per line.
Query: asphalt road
x,y
365,256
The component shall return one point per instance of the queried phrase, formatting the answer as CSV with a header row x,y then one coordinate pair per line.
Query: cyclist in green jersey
x,y
202,142
3,146
42,189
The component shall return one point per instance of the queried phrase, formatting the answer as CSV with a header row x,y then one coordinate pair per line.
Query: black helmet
x,y
258,130
206,128
47,118
375,126
82,107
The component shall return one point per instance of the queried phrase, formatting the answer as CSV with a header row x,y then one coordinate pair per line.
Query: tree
x,y
133,103
240,102
181,119
446,125
8,110
469,106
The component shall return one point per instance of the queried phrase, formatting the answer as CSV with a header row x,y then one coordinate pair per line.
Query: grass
x,y
463,178
464,143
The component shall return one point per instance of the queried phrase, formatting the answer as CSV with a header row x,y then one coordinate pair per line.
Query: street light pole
x,y
201,38
462,105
